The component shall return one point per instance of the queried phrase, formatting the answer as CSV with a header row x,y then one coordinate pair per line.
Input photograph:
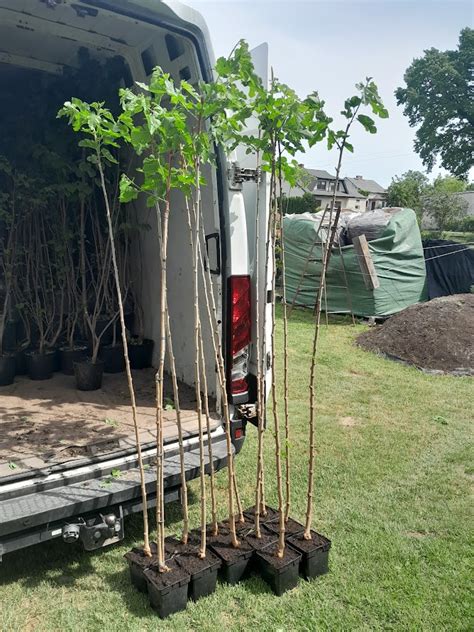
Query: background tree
x,y
449,184
444,208
305,203
439,98
407,190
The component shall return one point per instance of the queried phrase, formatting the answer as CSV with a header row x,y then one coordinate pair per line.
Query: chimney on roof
x,y
301,165
359,178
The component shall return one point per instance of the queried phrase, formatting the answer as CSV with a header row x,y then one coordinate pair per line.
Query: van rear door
x,y
261,271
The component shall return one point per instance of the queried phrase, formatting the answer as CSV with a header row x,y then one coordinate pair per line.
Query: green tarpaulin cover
x,y
397,255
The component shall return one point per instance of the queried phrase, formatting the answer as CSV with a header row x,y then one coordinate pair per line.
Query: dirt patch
x,y
50,422
437,335
348,422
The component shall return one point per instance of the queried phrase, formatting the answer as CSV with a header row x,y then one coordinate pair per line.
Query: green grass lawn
x,y
460,237
394,474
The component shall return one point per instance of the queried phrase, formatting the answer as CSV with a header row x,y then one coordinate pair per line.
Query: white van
x,y
74,475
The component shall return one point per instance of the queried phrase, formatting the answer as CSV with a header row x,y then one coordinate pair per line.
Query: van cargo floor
x,y
51,422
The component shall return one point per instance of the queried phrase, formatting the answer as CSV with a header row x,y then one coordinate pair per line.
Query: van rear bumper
x,y
48,514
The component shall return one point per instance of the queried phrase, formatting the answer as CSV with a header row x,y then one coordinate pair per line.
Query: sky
x,y
329,46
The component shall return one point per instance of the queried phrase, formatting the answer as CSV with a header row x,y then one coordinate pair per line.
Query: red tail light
x,y
240,313
240,336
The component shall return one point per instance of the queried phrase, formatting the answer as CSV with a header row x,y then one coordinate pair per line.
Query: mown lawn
x,y
394,474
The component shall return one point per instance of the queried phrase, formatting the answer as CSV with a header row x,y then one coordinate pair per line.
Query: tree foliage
x,y
439,99
407,190
305,203
444,208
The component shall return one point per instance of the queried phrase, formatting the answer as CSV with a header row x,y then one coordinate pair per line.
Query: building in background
x,y
375,195
355,194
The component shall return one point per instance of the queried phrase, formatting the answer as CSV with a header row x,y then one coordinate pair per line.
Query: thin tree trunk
x,y
217,346
215,526
312,402
281,530
177,406
260,382
193,240
146,541
285,345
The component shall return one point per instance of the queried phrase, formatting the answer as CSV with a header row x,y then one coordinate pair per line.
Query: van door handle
x,y
216,238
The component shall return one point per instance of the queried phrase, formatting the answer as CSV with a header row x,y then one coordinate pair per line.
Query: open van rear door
x,y
261,272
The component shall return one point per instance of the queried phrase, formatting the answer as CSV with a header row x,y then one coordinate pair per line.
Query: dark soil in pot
x,y
203,572
113,358
70,355
271,514
137,563
21,367
168,591
88,376
235,561
257,544
40,365
281,574
140,353
7,369
292,527
315,554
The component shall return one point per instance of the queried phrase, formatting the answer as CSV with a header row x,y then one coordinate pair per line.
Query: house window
x,y
321,185
332,186
317,202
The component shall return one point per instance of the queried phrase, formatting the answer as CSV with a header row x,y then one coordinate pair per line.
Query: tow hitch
x,y
97,532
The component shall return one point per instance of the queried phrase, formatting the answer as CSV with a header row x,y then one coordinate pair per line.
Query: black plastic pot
x,y
21,367
40,365
168,592
280,574
88,376
10,336
314,552
113,358
56,360
203,572
140,353
235,561
69,356
7,370
137,563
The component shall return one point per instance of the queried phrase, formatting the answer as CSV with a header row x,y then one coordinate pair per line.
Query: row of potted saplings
x,y
58,307
25,358
269,540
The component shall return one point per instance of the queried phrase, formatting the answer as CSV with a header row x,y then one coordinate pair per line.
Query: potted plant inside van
x,y
75,347
8,256
95,272
140,348
44,294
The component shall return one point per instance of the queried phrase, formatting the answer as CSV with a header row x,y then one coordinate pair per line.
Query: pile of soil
x,y
436,336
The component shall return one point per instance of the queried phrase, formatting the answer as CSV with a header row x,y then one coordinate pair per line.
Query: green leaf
x,y
368,123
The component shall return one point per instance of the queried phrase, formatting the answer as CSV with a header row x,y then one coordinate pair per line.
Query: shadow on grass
x,y
61,564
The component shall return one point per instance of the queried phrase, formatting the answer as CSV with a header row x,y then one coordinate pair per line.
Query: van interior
x,y
51,51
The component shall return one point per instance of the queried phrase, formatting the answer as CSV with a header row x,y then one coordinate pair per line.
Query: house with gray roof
x,y
375,195
355,194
